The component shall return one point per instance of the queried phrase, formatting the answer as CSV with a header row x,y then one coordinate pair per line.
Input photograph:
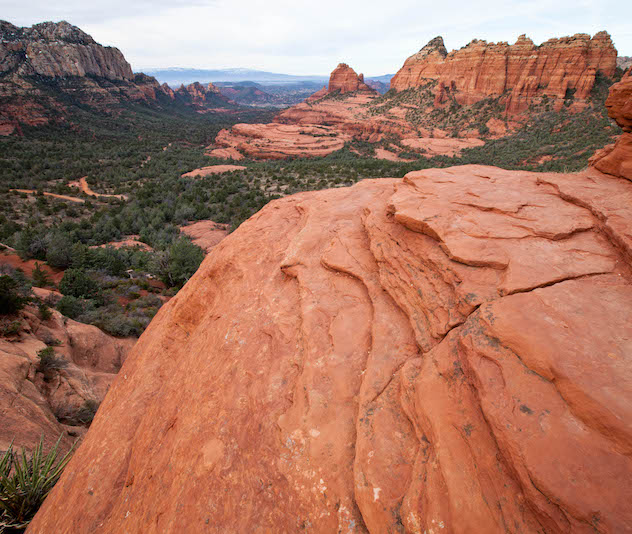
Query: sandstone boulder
x,y
448,352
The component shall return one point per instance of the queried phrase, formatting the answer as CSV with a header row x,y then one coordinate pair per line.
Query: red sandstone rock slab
x,y
213,169
280,141
450,351
205,234
436,146
225,153
131,241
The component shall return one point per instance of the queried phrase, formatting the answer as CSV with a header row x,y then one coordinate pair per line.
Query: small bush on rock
x,y
11,299
50,363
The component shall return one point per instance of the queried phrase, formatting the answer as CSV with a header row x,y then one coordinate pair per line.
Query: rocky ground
x,y
49,401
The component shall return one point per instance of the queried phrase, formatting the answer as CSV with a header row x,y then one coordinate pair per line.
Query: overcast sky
x,y
299,37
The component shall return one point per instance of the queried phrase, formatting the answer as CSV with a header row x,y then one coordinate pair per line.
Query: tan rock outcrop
x,y
447,352
206,234
558,69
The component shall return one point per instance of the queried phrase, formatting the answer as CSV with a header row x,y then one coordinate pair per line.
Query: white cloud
x,y
301,37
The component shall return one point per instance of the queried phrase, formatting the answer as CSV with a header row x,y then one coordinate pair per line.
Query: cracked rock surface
x,y
450,352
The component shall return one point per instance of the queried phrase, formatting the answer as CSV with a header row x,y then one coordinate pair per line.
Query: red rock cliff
x,y
447,352
557,68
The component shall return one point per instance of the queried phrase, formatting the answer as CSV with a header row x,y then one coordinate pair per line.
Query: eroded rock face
x,y
449,352
33,405
56,50
558,69
616,159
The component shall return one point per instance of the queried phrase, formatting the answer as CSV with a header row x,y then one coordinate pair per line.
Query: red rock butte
x,y
557,68
342,80
345,80
447,352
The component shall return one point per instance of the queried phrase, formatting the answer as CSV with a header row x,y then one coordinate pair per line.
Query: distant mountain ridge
x,y
176,76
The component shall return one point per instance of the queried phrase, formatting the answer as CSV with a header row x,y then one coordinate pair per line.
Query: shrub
x,y
11,299
44,312
59,251
40,276
49,363
12,328
78,283
180,262
82,416
26,481
70,306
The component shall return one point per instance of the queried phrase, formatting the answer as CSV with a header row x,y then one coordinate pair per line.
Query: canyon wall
x,y
558,69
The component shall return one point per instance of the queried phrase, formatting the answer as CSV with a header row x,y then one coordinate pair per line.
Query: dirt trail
x,y
63,197
82,184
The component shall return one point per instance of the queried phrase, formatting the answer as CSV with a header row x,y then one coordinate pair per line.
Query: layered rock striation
x,y
447,352
276,141
559,69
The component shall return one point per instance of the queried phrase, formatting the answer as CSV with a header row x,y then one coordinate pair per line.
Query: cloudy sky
x,y
300,37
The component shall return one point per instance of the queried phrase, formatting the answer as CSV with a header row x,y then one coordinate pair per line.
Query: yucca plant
x,y
25,482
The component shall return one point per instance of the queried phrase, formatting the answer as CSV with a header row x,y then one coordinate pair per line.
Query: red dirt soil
x,y
13,260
